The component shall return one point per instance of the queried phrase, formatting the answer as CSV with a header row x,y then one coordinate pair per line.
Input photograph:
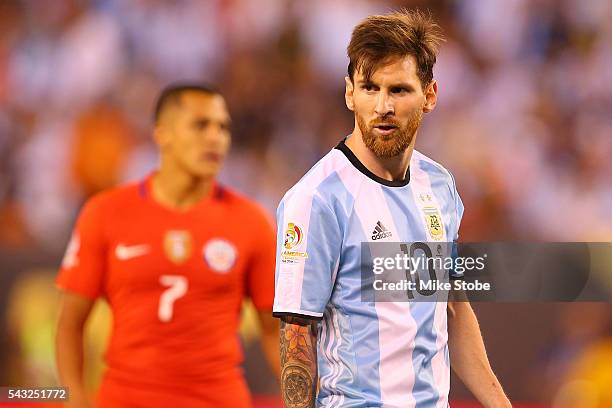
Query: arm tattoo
x,y
298,340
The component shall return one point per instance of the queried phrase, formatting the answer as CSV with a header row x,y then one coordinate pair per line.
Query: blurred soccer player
x,y
374,187
174,255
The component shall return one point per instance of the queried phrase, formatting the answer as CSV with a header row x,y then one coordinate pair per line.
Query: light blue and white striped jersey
x,y
370,354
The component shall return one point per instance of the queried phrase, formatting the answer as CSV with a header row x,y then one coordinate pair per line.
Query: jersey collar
x,y
363,169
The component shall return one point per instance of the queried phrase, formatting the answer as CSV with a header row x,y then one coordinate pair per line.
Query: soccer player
x,y
174,256
373,186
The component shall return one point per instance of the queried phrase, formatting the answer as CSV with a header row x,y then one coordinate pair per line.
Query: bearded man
x,y
374,187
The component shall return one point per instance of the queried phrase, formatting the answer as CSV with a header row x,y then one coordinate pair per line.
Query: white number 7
x,y
177,287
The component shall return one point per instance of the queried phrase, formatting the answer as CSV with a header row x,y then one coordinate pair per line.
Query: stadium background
x,y
523,122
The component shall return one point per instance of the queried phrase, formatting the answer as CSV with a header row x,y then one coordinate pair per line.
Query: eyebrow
x,y
402,85
365,82
208,119
394,85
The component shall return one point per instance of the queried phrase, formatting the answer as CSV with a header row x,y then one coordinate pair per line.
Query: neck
x,y
177,189
389,168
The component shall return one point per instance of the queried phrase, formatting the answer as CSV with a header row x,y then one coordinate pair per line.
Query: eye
x,y
368,87
200,124
399,90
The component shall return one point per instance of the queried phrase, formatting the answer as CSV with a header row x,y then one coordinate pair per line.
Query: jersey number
x,y
177,287
415,246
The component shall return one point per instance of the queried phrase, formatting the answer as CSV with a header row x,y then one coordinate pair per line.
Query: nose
x,y
384,105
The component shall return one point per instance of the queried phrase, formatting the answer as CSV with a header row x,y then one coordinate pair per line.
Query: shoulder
x,y
112,198
423,163
243,205
320,178
439,177
429,165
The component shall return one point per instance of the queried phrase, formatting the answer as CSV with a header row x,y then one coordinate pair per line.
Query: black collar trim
x,y
359,165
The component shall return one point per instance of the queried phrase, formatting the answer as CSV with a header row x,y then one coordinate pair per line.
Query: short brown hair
x,y
405,32
172,93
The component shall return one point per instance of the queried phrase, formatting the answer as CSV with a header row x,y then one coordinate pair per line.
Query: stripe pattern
x,y
402,359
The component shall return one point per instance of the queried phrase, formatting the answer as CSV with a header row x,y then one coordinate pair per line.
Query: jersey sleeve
x,y
308,247
457,222
459,213
260,272
84,263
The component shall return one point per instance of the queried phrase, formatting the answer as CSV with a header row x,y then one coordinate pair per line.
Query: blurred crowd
x,y
523,120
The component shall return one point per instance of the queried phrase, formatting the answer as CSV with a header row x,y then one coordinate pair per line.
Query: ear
x,y
431,96
348,93
160,135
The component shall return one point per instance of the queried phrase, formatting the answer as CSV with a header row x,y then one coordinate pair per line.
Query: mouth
x,y
211,157
386,129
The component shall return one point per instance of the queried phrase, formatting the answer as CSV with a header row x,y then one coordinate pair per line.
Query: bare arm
x,y
269,340
69,347
298,353
469,357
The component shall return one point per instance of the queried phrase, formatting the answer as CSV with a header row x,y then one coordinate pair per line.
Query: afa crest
x,y
433,220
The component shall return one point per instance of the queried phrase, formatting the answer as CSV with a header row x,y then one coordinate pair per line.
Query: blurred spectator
x,y
101,144
523,120
588,383
568,370
525,88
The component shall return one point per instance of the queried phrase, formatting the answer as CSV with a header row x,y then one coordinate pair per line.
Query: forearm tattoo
x,y
298,339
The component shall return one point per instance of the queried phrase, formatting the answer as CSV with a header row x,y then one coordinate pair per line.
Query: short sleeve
x,y
459,210
308,245
458,205
83,267
260,272
458,216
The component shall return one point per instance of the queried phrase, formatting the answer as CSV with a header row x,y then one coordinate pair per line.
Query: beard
x,y
392,145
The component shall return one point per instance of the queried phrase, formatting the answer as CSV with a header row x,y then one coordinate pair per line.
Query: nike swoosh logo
x,y
124,252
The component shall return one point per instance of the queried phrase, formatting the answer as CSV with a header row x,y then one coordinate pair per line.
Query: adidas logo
x,y
380,232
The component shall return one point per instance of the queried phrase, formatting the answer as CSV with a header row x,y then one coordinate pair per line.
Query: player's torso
x,y
150,252
385,351
175,283
421,211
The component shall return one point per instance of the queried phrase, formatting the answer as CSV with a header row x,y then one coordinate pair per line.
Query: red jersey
x,y
175,281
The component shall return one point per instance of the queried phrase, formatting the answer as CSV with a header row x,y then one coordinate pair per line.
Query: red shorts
x,y
232,392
